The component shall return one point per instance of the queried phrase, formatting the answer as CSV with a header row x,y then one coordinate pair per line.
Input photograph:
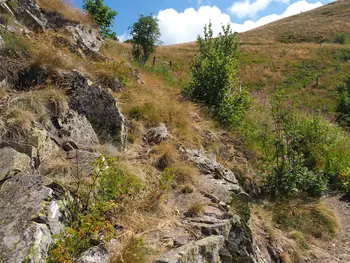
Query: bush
x,y
340,38
304,153
214,76
343,107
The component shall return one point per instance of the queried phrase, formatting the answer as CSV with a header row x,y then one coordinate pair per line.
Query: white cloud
x,y
185,26
124,36
247,8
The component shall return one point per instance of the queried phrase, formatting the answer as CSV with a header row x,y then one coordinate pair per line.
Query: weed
x,y
300,239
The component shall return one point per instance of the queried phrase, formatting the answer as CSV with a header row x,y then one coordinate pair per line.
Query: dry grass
x,y
17,123
59,169
195,209
65,9
130,250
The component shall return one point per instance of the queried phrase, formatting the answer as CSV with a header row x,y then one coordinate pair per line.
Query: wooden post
x,y
171,64
154,61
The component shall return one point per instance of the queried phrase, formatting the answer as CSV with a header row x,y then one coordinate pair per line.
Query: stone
x,y
77,128
96,254
31,21
83,160
202,251
158,134
32,211
12,161
87,39
100,109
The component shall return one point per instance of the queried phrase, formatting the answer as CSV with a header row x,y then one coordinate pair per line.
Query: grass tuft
x,y
195,209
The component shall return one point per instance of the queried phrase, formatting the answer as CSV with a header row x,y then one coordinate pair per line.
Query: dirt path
x,y
338,251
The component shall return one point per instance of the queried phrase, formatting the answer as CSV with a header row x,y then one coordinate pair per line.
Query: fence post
x,y
154,61
171,64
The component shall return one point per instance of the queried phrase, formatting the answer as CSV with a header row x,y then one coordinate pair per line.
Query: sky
x,y
182,21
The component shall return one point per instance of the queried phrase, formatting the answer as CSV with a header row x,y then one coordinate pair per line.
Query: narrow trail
x,y
338,250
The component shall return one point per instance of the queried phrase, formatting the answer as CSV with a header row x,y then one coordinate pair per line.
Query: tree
x,y
145,37
102,15
215,76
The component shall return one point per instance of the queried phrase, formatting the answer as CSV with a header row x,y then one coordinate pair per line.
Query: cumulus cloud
x,y
179,27
247,8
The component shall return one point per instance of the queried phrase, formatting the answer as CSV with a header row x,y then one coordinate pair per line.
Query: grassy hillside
x,y
288,54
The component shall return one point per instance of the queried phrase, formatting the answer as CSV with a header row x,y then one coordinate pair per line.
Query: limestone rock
x,y
157,134
31,213
100,108
12,161
94,255
203,251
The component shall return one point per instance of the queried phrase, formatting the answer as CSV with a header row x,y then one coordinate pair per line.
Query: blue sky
x,y
182,20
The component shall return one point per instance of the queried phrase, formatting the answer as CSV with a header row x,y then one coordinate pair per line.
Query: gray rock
x,y
202,251
157,134
100,108
12,161
78,129
87,39
30,215
31,21
94,255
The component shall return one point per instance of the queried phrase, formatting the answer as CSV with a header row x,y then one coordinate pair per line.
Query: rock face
x,y
206,250
31,213
94,255
12,162
100,108
76,128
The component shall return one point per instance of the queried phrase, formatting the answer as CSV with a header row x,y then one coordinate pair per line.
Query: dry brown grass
x,y
156,103
195,209
17,123
66,9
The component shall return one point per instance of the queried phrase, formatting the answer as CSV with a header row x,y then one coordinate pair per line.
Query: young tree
x,y
102,15
215,76
145,37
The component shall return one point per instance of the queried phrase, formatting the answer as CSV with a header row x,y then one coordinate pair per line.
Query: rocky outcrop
x,y
33,209
222,198
100,108
28,14
206,250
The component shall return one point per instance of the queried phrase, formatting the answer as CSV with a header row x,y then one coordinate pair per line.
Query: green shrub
x,y
214,76
303,153
343,107
340,38
92,224
167,179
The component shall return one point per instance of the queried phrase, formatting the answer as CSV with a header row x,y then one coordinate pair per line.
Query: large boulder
x,y
100,108
31,213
